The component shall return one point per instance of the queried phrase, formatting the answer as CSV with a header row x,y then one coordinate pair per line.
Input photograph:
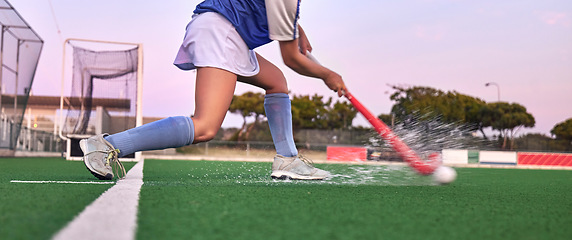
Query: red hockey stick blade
x,y
422,167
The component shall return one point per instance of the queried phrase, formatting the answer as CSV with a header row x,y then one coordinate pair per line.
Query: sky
x,y
523,46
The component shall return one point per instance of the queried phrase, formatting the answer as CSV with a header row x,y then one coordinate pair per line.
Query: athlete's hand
x,y
334,81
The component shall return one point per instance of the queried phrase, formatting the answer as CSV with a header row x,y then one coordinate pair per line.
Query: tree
x,y
563,130
309,112
473,116
507,118
422,101
429,103
387,119
312,112
452,107
247,105
341,115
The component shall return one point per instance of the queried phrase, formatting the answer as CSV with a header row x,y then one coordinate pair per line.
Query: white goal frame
x,y
138,104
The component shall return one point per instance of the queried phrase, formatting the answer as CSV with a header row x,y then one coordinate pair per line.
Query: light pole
x,y
498,88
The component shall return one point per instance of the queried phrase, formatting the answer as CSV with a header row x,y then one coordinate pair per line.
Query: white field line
x,y
65,182
113,215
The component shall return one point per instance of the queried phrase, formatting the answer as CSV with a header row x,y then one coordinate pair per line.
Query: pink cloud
x,y
554,18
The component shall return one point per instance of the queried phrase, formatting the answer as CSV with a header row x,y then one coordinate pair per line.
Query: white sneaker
x,y
296,168
98,155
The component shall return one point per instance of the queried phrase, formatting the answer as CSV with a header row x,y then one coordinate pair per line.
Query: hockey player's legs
x,y
213,94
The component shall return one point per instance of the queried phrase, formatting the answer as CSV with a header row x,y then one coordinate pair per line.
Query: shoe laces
x,y
306,160
112,159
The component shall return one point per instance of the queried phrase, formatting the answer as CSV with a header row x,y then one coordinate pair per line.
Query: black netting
x,y
20,51
104,81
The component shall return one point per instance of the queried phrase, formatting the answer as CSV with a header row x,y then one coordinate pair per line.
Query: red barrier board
x,y
545,159
347,154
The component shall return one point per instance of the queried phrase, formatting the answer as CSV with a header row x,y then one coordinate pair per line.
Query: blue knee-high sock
x,y
279,114
166,133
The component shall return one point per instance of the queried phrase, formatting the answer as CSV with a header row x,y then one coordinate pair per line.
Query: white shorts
x,y
212,41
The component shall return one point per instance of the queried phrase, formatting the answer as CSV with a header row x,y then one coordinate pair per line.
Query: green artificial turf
x,y
37,211
235,200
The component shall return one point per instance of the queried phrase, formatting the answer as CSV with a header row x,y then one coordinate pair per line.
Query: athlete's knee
x,y
205,136
279,85
204,131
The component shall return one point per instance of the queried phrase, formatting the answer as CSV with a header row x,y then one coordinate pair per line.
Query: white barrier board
x,y
497,157
455,156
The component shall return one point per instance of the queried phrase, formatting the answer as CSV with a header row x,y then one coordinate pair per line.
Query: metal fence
x,y
315,138
544,145
31,140
6,130
243,149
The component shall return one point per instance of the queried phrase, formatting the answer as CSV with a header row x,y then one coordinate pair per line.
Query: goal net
x,y
20,48
105,92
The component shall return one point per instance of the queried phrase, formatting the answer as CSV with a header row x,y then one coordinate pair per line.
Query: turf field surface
x,y
37,211
221,200
238,200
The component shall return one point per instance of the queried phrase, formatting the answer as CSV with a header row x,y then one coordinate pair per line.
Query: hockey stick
x,y
422,167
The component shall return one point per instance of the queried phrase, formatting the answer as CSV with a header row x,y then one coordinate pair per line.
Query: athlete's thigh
x,y
213,94
270,78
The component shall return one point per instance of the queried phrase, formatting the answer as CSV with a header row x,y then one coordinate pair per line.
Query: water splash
x,y
426,135
385,175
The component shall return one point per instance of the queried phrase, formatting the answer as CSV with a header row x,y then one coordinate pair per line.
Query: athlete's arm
x,y
301,64
303,41
283,27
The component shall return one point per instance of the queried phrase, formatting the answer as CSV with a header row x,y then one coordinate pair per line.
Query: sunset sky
x,y
524,46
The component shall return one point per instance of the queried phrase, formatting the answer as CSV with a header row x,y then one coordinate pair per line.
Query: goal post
x,y
106,91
